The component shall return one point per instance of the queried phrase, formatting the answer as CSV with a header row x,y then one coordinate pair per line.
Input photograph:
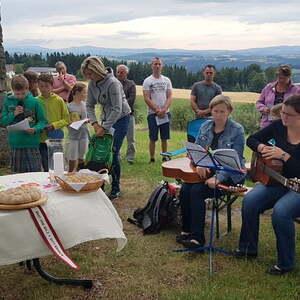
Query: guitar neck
x,y
276,175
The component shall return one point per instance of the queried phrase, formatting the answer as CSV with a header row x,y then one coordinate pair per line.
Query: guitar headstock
x,y
237,189
293,184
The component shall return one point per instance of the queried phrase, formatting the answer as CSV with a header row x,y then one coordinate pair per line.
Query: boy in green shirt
x,y
57,115
24,144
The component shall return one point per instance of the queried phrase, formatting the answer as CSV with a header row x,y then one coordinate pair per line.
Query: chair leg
x,y
217,219
228,218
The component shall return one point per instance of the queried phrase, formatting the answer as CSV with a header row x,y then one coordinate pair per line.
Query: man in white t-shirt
x,y
157,90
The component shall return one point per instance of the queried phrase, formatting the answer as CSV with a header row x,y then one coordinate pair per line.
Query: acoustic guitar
x,y
268,173
181,168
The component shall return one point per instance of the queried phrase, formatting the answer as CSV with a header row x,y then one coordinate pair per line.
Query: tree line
x,y
251,78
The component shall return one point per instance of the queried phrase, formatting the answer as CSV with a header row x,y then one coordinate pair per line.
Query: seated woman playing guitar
x,y
285,203
218,133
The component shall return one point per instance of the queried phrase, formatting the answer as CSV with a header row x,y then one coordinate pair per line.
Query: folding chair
x,y
192,132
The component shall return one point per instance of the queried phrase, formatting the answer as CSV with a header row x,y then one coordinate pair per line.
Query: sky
x,y
167,24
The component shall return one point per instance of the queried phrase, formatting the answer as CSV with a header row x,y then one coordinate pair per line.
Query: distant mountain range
x,y
193,60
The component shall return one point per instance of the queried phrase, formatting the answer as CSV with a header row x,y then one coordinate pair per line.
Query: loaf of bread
x,y
20,195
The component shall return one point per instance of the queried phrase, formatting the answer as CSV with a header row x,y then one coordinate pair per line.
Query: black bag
x,y
160,210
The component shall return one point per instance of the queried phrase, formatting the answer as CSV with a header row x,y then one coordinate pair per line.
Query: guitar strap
x,y
49,236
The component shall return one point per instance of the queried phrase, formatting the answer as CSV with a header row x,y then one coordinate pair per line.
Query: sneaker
x,y
182,237
192,244
114,195
240,254
130,162
152,160
275,270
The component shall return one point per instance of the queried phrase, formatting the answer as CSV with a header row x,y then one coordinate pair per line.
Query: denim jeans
x,y
286,207
130,154
121,127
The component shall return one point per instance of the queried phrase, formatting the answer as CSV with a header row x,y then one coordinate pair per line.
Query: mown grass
x,y
147,268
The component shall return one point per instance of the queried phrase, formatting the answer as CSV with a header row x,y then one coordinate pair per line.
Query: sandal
x,y
275,270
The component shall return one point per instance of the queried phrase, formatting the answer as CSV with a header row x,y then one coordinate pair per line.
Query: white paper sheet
x,y
77,124
160,121
23,125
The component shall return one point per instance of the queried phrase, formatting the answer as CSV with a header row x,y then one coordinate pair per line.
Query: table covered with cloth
x,y
76,218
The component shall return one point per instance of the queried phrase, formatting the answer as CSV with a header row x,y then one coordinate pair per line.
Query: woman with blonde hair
x,y
105,89
217,133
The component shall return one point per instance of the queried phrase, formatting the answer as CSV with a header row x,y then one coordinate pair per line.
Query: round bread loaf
x,y
20,195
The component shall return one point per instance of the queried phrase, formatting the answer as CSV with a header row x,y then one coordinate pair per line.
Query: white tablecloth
x,y
76,218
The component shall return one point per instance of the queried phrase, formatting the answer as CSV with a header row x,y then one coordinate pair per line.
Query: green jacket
x,y
56,111
34,111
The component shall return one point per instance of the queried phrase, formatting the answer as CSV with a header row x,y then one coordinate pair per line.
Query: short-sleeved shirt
x,y
205,93
77,113
158,88
57,83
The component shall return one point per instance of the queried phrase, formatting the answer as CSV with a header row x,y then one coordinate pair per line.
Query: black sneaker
x,y
182,237
240,254
114,195
152,160
275,270
192,244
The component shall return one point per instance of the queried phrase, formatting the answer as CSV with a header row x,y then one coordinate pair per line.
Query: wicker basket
x,y
89,187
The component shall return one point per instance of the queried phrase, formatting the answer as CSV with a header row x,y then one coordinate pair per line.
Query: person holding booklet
x,y
157,90
220,132
24,144
78,138
285,134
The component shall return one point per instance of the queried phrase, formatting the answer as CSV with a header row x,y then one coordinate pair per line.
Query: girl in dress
x,y
78,139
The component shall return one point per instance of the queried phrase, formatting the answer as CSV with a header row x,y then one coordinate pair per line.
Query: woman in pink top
x,y
276,92
64,82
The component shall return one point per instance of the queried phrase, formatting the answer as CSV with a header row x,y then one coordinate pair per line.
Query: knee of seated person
x,y
279,213
249,204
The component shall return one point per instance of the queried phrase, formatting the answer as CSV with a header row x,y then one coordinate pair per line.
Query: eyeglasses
x,y
288,115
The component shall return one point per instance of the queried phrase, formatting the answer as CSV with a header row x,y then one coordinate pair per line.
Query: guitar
x,y
181,168
268,173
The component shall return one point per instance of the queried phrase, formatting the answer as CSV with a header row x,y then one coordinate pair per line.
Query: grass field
x,y
147,268
245,97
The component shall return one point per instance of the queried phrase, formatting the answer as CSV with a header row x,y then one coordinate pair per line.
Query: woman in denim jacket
x,y
218,133
274,93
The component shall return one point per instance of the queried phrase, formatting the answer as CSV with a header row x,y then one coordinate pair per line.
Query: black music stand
x,y
221,160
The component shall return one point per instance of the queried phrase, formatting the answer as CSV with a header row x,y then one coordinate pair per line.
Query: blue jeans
x,y
121,127
286,207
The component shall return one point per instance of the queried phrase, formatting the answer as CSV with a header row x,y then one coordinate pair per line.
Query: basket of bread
x,y
87,181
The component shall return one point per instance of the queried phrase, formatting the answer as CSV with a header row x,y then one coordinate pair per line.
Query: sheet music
x,y
225,159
